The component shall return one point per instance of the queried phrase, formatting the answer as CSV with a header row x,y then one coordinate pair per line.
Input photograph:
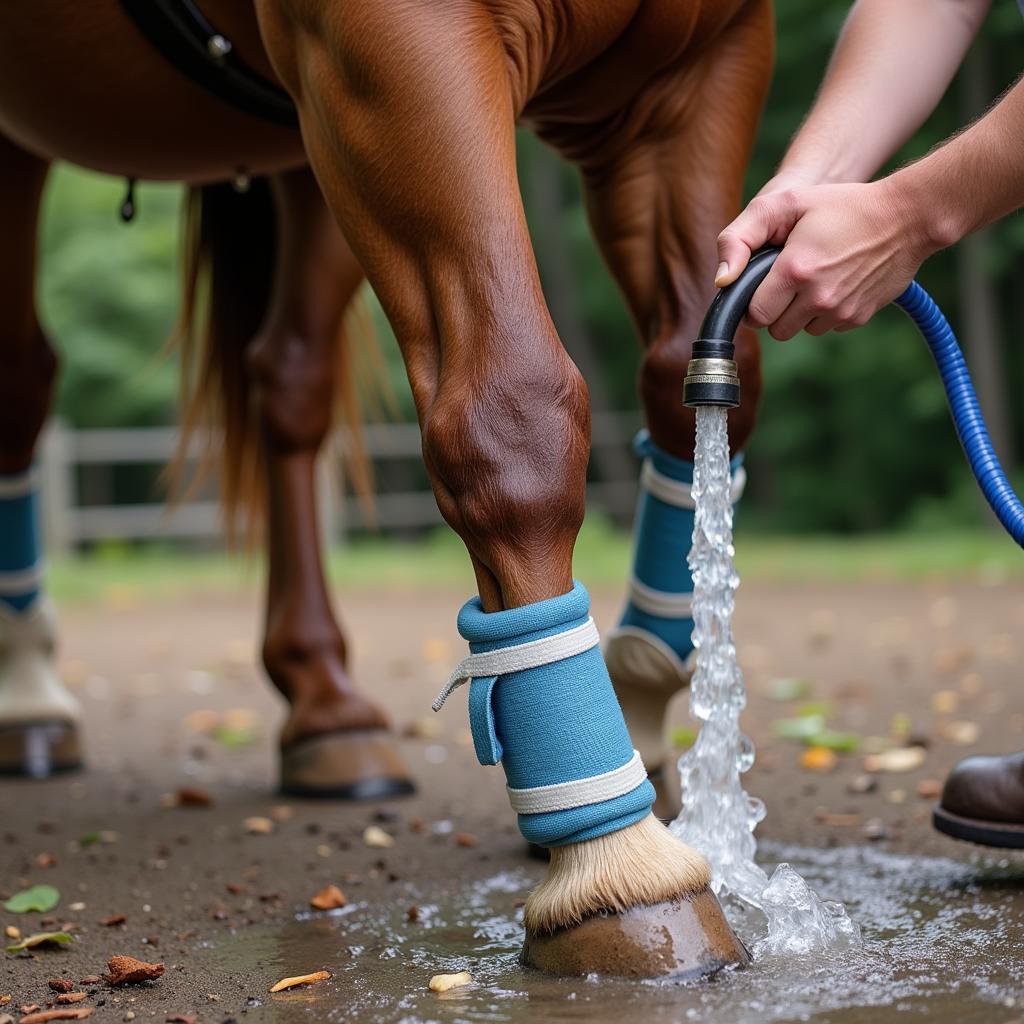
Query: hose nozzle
x,y
711,375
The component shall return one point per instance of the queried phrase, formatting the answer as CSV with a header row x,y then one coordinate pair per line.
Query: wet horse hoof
x,y
352,765
37,750
684,939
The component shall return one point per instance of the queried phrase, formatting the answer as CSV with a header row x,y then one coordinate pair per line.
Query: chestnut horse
x,y
406,114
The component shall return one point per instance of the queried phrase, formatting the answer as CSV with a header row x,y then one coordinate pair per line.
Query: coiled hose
x,y
712,380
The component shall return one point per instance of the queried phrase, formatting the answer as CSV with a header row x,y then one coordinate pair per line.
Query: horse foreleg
x,y
408,116
658,194
334,742
38,716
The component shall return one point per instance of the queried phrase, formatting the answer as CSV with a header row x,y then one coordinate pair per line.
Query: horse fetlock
x,y
30,689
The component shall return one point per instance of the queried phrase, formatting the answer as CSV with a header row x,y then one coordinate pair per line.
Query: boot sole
x,y
974,830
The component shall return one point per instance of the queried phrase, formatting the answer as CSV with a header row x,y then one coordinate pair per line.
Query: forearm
x,y
971,180
891,66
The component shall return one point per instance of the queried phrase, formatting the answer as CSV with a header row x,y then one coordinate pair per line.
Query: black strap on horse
x,y
178,29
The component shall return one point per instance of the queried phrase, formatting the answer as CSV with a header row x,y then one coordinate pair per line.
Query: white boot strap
x,y
678,493
662,603
580,792
532,654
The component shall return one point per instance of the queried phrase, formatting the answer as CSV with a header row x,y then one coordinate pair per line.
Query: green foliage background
x,y
841,445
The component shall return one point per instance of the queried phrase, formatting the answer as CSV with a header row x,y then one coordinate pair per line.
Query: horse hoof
x,y
350,765
37,750
685,939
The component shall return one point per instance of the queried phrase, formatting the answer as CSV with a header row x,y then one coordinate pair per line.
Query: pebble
x,y
862,784
373,835
929,789
258,826
874,830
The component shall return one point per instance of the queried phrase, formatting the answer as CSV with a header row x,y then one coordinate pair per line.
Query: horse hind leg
x,y
657,200
335,742
39,718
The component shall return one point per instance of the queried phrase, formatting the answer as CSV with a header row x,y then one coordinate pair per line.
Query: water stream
x,y
718,816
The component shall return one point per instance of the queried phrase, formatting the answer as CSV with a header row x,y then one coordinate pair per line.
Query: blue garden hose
x,y
711,377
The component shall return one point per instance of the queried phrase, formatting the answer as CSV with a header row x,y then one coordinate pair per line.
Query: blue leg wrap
x,y
663,533
553,724
20,541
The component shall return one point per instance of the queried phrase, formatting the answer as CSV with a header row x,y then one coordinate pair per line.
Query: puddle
x,y
943,941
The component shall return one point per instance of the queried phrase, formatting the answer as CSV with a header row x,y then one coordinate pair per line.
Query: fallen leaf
x,y
114,919
818,759
837,820
330,898
258,826
682,737
42,939
193,796
788,689
40,898
71,997
76,1013
373,835
301,979
844,742
445,982
465,839
801,728
126,970
900,759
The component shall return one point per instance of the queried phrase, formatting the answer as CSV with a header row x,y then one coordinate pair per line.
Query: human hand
x,y
849,250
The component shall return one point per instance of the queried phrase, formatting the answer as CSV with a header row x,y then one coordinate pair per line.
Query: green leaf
x,y
89,839
41,939
789,689
683,737
818,708
40,897
234,739
844,742
799,728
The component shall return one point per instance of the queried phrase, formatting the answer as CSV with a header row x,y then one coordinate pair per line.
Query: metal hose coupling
x,y
711,374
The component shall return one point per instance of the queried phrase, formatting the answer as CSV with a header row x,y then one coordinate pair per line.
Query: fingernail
x,y
723,269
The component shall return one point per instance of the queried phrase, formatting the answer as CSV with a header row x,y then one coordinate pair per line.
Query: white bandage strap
x,y
532,654
662,603
678,493
17,486
16,582
580,792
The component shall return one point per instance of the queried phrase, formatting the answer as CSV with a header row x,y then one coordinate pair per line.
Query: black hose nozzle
x,y
711,376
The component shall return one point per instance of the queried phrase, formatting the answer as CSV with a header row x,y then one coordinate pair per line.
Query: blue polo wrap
x,y
553,724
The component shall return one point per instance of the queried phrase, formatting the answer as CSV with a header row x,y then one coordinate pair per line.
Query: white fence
x,y
72,521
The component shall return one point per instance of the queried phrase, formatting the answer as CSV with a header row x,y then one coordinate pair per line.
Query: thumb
x,y
767,218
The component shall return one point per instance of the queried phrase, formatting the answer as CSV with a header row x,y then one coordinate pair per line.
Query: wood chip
x,y
330,898
66,998
114,920
90,979
258,826
193,796
61,984
444,982
376,836
301,979
126,970
68,1013
901,759
465,839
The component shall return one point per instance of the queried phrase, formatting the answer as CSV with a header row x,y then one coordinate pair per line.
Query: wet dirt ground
x,y
172,699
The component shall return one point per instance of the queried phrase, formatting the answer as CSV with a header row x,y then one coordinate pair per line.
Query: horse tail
x,y
229,256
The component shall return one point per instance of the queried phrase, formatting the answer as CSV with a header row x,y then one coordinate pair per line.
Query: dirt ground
x,y
937,662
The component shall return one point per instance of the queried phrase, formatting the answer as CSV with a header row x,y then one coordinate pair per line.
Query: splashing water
x,y
718,816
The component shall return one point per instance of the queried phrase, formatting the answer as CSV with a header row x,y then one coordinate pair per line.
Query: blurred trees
x,y
854,434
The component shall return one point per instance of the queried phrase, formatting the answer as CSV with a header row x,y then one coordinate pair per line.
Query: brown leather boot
x,y
983,802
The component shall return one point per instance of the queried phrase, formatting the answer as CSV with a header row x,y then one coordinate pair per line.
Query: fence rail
x,y
72,521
